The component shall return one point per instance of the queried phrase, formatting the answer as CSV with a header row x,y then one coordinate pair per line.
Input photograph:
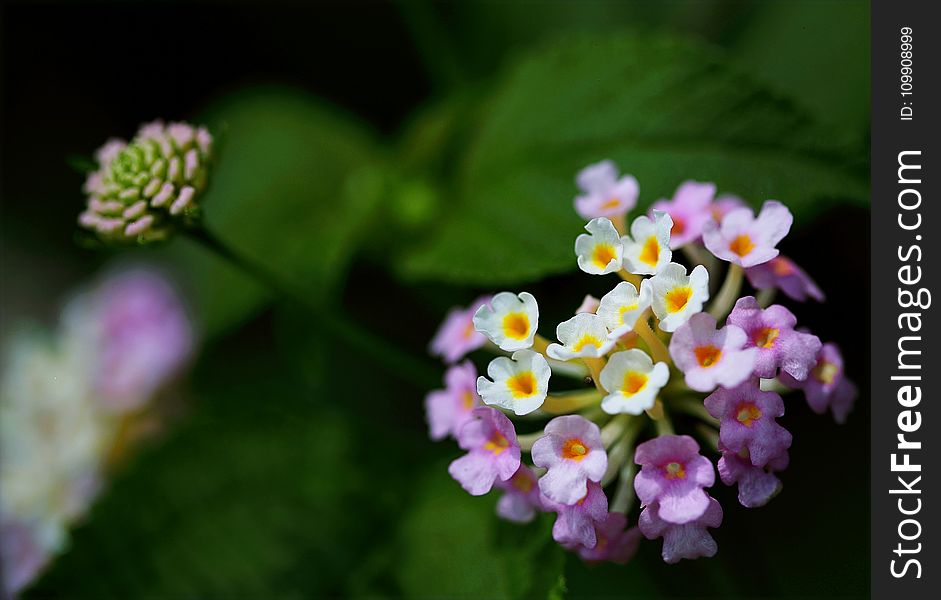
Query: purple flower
x,y
575,524
746,421
673,475
689,209
710,357
725,204
756,485
573,453
23,555
771,331
604,194
457,336
493,451
782,273
688,540
614,543
827,385
139,332
745,240
449,409
521,498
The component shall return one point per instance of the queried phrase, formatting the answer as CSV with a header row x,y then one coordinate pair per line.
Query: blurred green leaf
x,y
288,191
456,547
664,109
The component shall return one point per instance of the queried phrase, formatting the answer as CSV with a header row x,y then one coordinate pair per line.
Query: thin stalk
x,y
766,296
560,404
594,369
658,349
693,406
630,278
527,440
624,492
728,294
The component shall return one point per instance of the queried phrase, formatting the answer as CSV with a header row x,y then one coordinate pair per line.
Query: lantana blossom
x,y
743,239
599,251
632,381
447,410
573,453
493,452
584,335
620,308
782,273
509,320
724,204
647,248
673,474
675,296
747,421
689,210
756,485
771,331
827,385
615,541
605,194
457,335
520,382
575,523
709,357
688,540
521,498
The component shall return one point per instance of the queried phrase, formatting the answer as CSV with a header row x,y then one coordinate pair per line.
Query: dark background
x,y
281,521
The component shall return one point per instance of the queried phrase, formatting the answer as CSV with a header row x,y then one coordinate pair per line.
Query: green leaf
x,y
456,547
664,109
290,190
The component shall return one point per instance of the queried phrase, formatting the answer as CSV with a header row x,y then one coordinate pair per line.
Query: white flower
x,y
520,383
509,321
584,335
632,382
620,308
599,251
647,249
676,297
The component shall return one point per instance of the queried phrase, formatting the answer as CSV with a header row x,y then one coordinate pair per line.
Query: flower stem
x,y
766,296
693,406
594,369
560,404
630,278
613,430
728,294
527,440
656,346
624,492
331,321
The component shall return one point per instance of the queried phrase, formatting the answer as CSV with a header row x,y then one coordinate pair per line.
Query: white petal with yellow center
x,y
584,335
621,307
599,251
647,248
675,296
509,321
632,381
519,383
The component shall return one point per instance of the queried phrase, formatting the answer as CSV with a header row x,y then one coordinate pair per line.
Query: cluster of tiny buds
x,y
141,190
649,349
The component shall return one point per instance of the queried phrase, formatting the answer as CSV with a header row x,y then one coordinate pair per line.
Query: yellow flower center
x,y
677,298
707,356
633,383
626,309
523,483
497,443
826,372
467,400
469,330
523,385
650,252
765,337
516,326
782,267
603,254
679,225
747,414
574,449
612,203
742,245
586,340
674,470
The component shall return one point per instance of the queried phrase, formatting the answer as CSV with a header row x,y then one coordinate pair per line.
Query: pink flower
x,y
457,336
493,451
573,453
771,331
449,409
756,485
589,305
827,385
575,524
689,209
747,421
521,499
782,273
673,475
723,205
688,540
710,357
604,194
614,542
23,556
745,240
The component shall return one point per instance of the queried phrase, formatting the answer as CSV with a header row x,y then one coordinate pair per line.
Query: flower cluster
x,y
71,403
661,342
141,189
